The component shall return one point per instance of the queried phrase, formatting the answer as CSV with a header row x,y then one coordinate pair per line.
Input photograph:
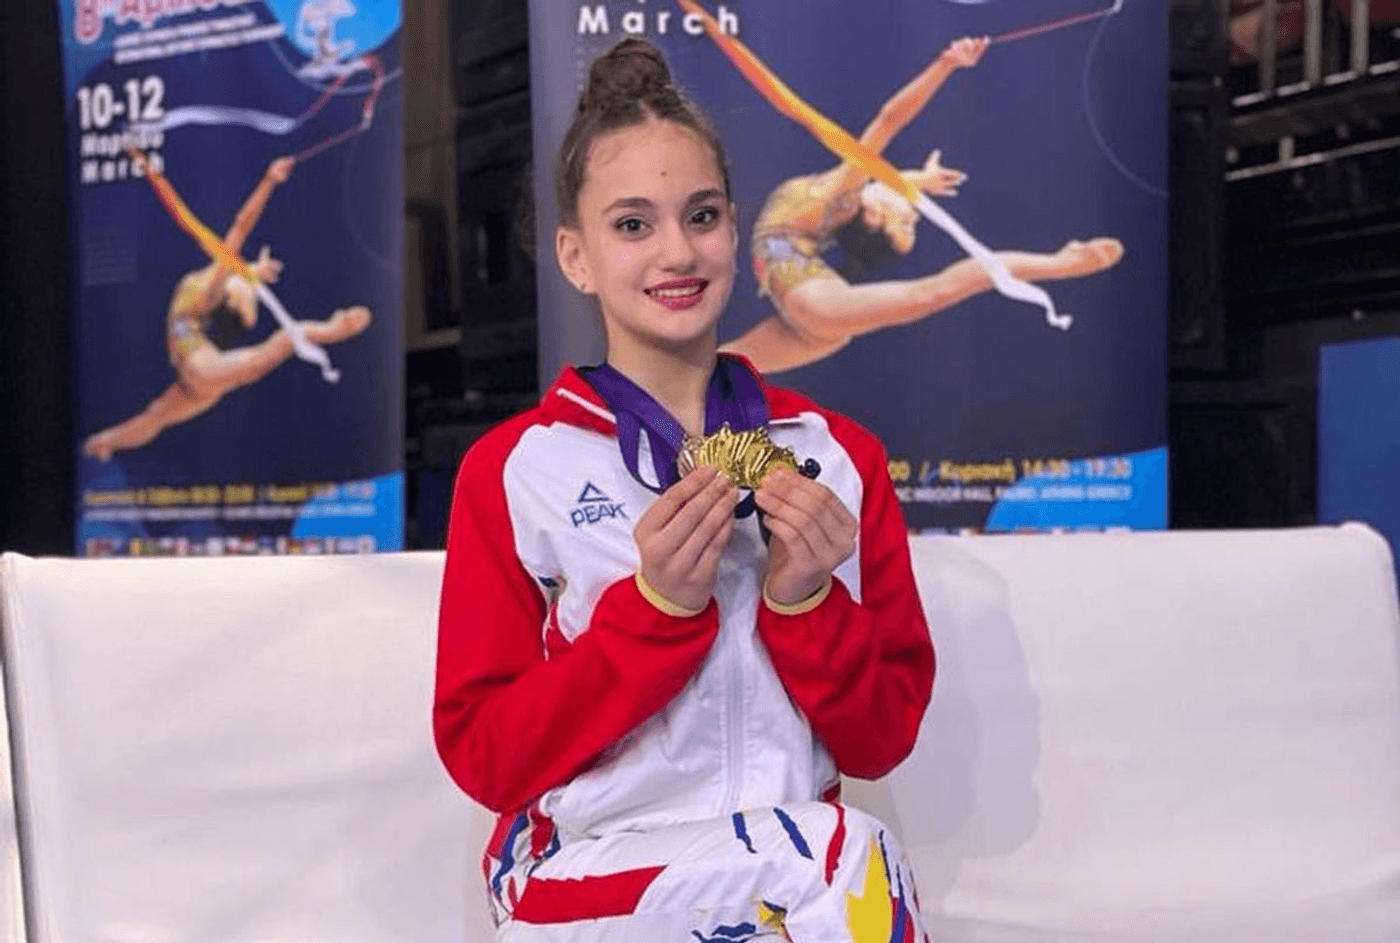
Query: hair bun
x,y
631,71
628,85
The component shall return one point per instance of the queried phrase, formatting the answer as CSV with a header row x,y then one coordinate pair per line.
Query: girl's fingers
x,y
812,511
838,525
806,505
708,561
675,513
680,562
717,517
688,518
675,497
800,552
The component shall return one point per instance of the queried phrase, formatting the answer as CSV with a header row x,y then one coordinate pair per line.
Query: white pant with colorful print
x,y
815,872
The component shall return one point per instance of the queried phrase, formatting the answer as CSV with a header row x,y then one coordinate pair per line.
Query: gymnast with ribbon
x,y
204,373
678,603
871,209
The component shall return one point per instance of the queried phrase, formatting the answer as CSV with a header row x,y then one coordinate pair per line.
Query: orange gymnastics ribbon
x,y
829,133
184,217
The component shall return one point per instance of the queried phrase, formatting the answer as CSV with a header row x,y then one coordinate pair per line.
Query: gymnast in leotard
x,y
818,311
203,372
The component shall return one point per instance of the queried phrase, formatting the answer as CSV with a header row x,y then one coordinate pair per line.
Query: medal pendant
x,y
745,458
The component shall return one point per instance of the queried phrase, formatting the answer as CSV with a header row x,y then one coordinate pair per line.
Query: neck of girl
x,y
677,379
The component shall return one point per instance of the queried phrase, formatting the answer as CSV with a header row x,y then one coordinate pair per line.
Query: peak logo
x,y
594,506
93,14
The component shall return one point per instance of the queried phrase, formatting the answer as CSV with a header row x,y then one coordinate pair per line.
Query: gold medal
x,y
745,458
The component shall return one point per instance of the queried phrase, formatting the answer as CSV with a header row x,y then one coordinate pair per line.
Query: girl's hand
x,y
967,52
937,180
813,534
267,268
280,169
681,536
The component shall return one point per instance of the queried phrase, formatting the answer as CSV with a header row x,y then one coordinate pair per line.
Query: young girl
x,y
656,687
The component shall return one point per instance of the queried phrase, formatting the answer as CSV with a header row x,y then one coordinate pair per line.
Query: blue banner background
x,y
337,225
1358,450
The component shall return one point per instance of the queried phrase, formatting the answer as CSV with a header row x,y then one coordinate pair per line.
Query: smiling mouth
x,y
680,289
679,294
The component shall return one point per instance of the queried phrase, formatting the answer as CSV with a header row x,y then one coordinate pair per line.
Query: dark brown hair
x,y
628,85
864,251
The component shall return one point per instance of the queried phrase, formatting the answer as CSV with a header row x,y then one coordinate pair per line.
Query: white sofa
x,y
1185,737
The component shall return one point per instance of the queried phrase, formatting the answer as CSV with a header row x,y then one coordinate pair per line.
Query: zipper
x,y
732,639
734,722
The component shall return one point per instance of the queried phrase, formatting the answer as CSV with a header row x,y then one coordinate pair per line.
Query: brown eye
x,y
705,216
630,226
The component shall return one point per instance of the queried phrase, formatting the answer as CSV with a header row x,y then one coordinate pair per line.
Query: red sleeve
x,y
862,673
510,724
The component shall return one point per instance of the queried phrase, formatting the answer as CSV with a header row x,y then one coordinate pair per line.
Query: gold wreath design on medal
x,y
745,458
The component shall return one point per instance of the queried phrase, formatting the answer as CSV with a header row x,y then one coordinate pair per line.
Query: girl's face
x,y
655,240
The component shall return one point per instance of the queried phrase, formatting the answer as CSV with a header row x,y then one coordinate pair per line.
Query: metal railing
x,y
1320,88
1312,51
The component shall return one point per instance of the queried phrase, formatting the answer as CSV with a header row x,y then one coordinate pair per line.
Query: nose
x,y
677,248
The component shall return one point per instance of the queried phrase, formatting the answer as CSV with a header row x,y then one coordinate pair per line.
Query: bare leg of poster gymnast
x,y
821,315
207,374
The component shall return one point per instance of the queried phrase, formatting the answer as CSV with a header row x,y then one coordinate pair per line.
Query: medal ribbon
x,y
734,397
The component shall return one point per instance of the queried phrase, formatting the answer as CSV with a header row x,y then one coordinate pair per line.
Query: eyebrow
x,y
642,203
703,196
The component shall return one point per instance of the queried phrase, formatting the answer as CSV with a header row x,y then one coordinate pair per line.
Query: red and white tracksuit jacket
x,y
578,710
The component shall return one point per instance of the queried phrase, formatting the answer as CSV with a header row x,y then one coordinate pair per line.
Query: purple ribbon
x,y
734,397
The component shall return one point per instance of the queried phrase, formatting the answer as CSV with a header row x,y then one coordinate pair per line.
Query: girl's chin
x,y
698,340
686,341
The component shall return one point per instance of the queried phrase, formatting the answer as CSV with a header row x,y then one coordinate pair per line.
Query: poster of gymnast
x,y
952,227
237,180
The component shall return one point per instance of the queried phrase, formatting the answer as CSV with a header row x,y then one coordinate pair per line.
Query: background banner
x,y
953,225
1358,450
237,168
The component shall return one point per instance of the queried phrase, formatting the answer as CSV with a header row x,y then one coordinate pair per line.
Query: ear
x,y
568,251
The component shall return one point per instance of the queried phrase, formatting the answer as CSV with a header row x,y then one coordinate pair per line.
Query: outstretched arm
x,y
277,173
896,114
904,106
